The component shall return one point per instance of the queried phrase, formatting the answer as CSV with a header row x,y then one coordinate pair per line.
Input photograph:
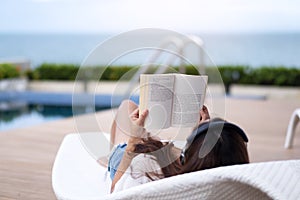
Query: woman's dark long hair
x,y
230,149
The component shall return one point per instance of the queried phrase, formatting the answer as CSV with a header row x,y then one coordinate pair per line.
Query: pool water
x,y
33,115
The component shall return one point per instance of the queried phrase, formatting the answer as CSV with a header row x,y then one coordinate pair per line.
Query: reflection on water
x,y
34,114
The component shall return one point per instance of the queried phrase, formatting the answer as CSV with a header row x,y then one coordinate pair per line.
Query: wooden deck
x,y
27,155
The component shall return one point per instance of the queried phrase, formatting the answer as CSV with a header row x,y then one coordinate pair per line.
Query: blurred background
x,y
43,41
251,33
254,44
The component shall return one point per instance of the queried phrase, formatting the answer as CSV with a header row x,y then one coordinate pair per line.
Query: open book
x,y
172,99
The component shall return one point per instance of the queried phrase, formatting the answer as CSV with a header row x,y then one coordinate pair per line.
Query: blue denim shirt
x,y
115,159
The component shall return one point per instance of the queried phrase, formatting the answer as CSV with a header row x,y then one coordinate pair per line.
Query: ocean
x,y
224,49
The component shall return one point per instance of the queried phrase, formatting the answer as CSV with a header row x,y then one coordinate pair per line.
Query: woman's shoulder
x,y
143,169
144,159
145,163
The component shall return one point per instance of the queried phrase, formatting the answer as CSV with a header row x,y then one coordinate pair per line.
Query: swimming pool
x,y
27,108
29,115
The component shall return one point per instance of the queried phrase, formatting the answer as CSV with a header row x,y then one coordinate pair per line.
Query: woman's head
x,y
213,144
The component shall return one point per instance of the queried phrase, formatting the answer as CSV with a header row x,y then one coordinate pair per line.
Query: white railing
x,y
180,45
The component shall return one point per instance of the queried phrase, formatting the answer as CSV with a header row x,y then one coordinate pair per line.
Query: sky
x,y
111,16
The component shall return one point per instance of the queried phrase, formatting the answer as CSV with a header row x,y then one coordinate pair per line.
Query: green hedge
x,y
116,73
69,72
8,71
279,76
265,75
55,72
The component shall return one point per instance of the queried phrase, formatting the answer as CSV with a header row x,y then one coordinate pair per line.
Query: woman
x,y
142,159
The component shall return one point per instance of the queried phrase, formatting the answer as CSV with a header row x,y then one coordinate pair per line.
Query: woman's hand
x,y
137,118
137,130
204,114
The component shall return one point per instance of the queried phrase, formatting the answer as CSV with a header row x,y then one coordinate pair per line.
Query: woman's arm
x,y
124,164
137,131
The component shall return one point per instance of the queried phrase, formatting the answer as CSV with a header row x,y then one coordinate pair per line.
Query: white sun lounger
x,y
76,175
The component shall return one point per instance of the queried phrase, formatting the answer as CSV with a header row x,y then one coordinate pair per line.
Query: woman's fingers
x,y
137,124
135,114
204,114
142,117
138,118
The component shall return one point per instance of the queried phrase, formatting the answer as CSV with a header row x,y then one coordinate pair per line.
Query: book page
x,y
156,94
189,94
